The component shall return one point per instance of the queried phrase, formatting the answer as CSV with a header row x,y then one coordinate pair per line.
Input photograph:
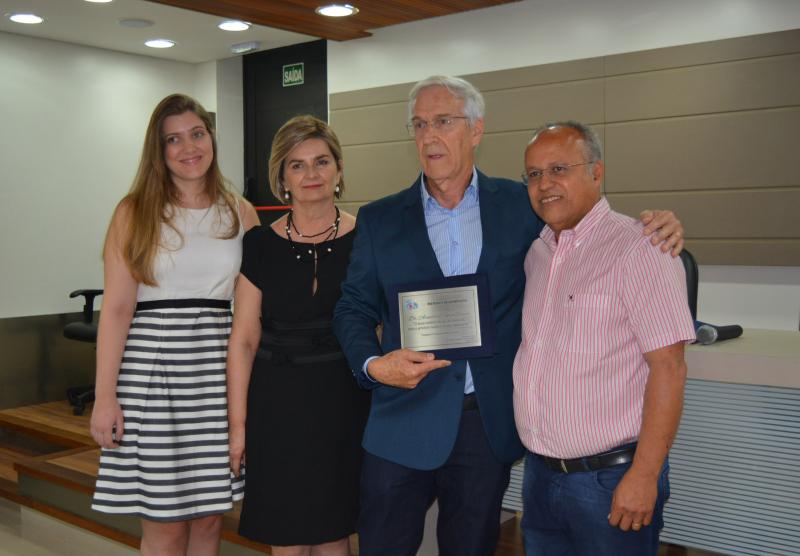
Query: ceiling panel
x,y
192,24
299,16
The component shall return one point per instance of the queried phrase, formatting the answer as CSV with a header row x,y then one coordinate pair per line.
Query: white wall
x,y
205,85
536,32
73,120
230,120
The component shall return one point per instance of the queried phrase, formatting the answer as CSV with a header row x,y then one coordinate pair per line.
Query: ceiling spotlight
x,y
99,1
135,23
30,19
159,43
337,10
234,25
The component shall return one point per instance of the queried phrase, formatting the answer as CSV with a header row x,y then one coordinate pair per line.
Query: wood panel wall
x,y
709,130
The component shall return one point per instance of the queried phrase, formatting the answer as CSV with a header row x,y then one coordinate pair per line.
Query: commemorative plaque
x,y
450,317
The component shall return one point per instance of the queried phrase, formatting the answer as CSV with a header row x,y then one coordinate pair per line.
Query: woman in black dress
x,y
294,407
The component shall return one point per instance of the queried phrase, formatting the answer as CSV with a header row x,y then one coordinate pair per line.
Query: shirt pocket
x,y
589,316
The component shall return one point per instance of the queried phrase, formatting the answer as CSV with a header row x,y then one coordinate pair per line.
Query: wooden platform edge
x,y
57,475
79,482
72,519
44,432
9,490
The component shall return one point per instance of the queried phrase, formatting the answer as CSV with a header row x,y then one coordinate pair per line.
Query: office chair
x,y
84,330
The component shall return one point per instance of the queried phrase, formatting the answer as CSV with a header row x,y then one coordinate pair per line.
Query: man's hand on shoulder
x,y
663,227
404,368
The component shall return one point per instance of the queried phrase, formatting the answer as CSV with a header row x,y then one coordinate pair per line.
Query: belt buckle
x,y
563,466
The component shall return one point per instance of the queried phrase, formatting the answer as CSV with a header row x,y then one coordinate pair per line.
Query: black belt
x,y
183,304
281,358
470,402
316,343
270,340
618,456
281,326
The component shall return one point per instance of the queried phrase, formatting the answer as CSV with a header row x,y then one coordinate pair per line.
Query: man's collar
x,y
470,193
583,228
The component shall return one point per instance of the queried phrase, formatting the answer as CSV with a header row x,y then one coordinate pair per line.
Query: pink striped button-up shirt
x,y
595,302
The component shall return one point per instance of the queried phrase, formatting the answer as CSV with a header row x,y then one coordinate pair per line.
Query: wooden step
x,y
21,442
9,489
77,470
49,444
8,457
52,422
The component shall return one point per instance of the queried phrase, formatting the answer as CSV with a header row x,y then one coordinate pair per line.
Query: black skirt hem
x,y
294,541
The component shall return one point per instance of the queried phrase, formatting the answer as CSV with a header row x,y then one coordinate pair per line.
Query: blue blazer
x,y
418,427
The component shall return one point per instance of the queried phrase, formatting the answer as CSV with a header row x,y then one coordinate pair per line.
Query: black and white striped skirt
x,y
172,463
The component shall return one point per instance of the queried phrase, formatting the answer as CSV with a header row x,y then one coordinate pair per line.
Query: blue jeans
x,y
567,513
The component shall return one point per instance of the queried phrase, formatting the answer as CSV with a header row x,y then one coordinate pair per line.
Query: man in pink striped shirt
x,y
599,375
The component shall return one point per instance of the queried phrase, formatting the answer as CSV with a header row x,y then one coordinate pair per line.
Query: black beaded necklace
x,y
308,252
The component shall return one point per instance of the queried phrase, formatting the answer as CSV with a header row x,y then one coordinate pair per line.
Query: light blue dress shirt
x,y
457,239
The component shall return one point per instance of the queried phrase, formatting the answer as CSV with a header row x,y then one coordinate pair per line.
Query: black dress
x,y
305,413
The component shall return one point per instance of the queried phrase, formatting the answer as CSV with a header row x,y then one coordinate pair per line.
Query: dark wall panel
x,y
268,104
37,363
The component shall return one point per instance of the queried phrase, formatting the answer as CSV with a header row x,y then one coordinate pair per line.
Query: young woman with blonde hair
x,y
171,255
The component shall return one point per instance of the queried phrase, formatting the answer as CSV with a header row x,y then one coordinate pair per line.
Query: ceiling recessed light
x,y
30,19
135,23
159,43
99,1
337,10
234,25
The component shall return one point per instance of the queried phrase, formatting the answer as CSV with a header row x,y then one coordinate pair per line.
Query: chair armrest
x,y
88,306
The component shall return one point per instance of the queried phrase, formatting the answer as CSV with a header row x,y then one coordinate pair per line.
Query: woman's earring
x,y
286,194
336,189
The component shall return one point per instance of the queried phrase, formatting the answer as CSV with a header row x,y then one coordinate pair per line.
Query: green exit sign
x,y
293,74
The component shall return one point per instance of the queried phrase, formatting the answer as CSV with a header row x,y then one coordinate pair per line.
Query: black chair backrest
x,y
692,278
84,330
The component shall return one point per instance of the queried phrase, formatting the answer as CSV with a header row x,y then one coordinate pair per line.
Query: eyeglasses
x,y
554,171
442,123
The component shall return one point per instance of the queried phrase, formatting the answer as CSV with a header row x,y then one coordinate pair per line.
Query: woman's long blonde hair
x,y
153,193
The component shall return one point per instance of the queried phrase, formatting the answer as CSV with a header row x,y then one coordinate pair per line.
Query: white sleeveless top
x,y
199,265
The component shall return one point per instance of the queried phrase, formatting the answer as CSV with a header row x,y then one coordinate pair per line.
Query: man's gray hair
x,y
591,143
474,106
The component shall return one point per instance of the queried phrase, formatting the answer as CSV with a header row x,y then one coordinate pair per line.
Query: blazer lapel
x,y
491,220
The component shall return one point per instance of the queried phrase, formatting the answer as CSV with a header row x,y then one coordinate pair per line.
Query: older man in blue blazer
x,y
439,429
